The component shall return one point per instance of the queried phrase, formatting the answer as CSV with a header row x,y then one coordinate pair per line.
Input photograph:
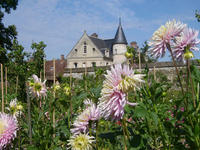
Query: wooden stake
x,y
2,91
139,61
54,94
44,69
16,85
41,75
6,83
70,84
154,72
85,76
29,115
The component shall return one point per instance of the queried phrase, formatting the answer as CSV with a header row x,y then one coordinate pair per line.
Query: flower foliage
x,y
163,36
37,87
91,113
119,80
81,142
15,108
8,129
187,41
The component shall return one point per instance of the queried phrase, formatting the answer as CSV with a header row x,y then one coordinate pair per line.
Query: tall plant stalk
x,y
124,133
175,65
191,82
2,90
29,115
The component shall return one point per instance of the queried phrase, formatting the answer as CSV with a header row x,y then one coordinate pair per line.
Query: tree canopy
x,y
7,34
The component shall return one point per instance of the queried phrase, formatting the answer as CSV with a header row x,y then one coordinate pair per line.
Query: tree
x,y
38,56
18,69
197,15
133,54
7,34
145,56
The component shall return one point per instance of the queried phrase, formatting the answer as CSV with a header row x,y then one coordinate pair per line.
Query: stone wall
x,y
165,67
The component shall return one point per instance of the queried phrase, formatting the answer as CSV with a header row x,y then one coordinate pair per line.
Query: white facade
x,y
119,51
91,51
86,54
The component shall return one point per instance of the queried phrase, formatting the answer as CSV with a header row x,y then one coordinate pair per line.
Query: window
x,y
93,64
115,51
84,65
107,64
93,49
76,50
85,47
75,65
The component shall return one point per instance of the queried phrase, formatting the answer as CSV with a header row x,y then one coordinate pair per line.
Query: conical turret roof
x,y
119,36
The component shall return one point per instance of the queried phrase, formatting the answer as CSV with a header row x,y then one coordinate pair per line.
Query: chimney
x,y
62,57
134,44
94,35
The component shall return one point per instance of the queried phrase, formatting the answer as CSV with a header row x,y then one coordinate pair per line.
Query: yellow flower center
x,y
126,83
19,107
2,127
81,142
37,87
160,32
67,90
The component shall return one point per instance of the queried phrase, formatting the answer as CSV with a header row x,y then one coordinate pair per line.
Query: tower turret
x,y
119,45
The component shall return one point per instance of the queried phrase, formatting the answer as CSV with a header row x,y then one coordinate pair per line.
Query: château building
x,y
92,51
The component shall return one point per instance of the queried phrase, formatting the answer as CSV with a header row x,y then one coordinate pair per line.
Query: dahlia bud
x,y
19,107
128,55
188,55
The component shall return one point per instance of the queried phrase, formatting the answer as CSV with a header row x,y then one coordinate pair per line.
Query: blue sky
x,y
60,23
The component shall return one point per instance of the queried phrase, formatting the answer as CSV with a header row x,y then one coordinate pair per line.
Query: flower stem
x,y
29,116
160,127
192,85
97,123
169,48
124,132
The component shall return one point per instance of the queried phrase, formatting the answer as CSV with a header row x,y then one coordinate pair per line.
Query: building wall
x,y
119,51
87,62
85,53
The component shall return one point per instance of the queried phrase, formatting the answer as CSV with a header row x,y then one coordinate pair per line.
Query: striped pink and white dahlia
x,y
188,40
8,129
81,124
119,80
37,87
163,36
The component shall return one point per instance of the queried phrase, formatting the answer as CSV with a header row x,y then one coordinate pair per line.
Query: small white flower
x,y
81,142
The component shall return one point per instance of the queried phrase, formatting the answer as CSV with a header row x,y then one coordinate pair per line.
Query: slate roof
x,y
108,43
103,44
120,36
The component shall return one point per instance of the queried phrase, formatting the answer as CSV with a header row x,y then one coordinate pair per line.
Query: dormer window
x,y
75,65
76,50
85,47
93,64
93,49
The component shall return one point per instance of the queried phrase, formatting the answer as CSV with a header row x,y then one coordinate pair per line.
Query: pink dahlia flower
x,y
81,124
119,80
8,129
164,35
188,39
37,88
